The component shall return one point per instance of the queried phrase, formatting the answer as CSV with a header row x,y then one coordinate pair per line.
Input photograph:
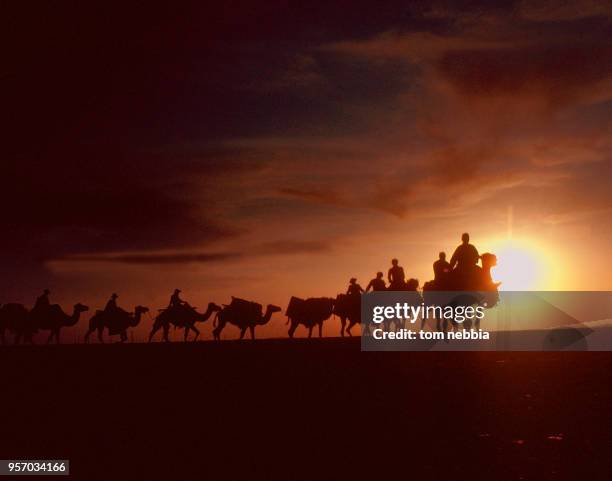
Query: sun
x,y
521,265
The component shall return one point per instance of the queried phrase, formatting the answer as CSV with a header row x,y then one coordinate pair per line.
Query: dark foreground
x,y
307,410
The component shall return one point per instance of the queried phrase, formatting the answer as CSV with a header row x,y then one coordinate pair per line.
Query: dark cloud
x,y
283,247
557,74
314,195
275,248
157,258
104,201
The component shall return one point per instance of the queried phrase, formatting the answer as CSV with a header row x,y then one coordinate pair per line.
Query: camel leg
x,y
348,329
154,329
342,325
197,332
292,329
101,334
217,334
166,332
252,329
320,329
242,331
310,332
123,336
50,336
186,333
57,336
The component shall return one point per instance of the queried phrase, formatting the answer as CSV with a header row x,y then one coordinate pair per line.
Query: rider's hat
x,y
47,291
114,296
176,291
353,279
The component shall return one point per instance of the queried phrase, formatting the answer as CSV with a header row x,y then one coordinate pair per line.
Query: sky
x,y
270,150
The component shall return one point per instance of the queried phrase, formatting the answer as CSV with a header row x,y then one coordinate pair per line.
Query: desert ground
x,y
306,410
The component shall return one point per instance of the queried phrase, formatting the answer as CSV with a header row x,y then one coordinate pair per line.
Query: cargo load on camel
x,y
295,307
246,309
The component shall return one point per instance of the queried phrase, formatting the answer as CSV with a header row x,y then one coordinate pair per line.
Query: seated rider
x,y
175,299
377,284
396,276
441,268
465,256
42,301
111,305
465,264
354,289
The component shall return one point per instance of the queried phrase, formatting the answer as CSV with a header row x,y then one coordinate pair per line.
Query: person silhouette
x,y
377,284
465,256
441,268
111,305
175,299
396,276
42,301
354,289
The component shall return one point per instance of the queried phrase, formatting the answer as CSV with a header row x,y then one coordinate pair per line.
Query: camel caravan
x,y
462,273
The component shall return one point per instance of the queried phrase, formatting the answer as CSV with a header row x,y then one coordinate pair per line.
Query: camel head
x,y
488,260
141,310
70,321
271,309
214,307
78,308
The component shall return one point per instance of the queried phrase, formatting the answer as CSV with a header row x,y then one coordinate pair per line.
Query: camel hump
x,y
14,308
55,309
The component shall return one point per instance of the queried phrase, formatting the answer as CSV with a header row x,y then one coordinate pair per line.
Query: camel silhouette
x,y
55,318
347,308
310,312
243,314
24,324
182,316
116,322
15,319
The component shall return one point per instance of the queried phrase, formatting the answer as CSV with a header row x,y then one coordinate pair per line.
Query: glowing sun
x,y
521,266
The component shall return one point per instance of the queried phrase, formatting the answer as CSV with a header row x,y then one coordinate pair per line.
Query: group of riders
x,y
112,310
459,273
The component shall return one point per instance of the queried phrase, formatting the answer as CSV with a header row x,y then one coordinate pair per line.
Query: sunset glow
x,y
523,265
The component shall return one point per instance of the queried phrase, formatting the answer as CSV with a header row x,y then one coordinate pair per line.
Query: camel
x,y
243,314
15,318
55,318
348,307
183,316
478,290
116,324
309,312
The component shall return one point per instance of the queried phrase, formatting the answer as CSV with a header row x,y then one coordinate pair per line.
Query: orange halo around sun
x,y
523,265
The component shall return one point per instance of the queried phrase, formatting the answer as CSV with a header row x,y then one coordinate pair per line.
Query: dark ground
x,y
307,410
